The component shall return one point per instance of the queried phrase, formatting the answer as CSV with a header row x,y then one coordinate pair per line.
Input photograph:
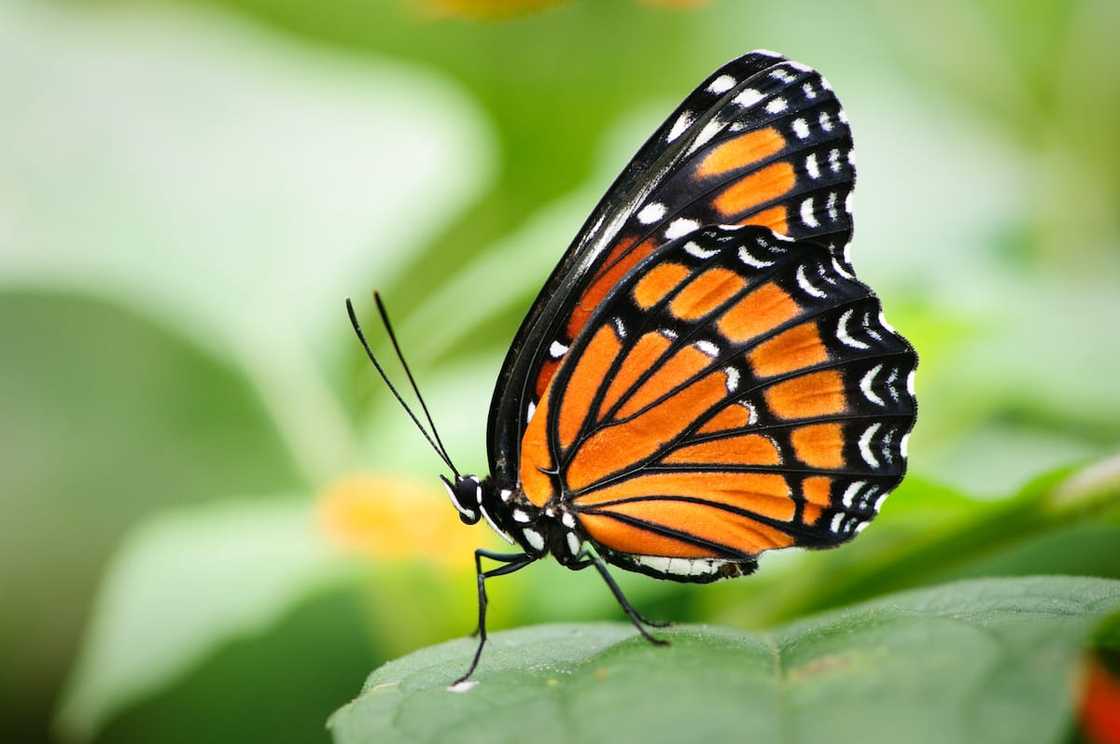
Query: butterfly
x,y
702,378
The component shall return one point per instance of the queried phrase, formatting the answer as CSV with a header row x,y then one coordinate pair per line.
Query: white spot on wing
x,y
777,106
708,348
869,328
834,160
825,121
851,491
904,445
721,84
711,129
747,97
784,75
732,380
681,227
811,166
683,122
807,215
801,128
865,445
557,350
844,336
693,248
532,408
520,515
651,213
836,520
910,382
656,562
808,89
892,378
748,258
831,206
866,383
803,282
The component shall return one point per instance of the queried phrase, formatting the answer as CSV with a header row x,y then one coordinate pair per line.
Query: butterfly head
x,y
466,496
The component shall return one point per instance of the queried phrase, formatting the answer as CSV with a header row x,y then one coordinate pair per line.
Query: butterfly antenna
x,y
377,365
411,379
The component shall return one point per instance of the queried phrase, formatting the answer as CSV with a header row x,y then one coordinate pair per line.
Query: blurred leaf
x,y
107,419
180,587
275,686
980,661
230,182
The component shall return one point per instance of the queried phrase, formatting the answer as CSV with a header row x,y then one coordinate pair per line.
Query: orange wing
x,y
761,141
737,392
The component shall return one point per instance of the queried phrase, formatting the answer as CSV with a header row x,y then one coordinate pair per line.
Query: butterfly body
x,y
702,378
538,531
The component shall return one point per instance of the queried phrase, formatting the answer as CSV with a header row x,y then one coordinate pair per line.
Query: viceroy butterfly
x,y
702,377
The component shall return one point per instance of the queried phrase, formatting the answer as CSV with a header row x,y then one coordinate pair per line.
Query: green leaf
x,y
107,419
983,661
328,634
182,585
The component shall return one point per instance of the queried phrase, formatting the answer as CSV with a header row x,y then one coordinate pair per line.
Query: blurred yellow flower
x,y
482,9
395,518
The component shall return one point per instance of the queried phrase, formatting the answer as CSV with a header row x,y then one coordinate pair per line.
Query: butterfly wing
x,y
736,392
763,141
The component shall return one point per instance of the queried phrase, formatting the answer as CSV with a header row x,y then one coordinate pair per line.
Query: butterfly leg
x,y
501,558
634,615
514,562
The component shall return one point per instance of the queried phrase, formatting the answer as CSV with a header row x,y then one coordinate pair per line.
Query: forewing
x,y
762,141
736,393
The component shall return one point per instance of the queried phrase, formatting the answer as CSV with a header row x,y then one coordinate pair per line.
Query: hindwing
x,y
737,391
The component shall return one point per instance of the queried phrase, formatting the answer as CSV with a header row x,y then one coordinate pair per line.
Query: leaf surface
x,y
980,661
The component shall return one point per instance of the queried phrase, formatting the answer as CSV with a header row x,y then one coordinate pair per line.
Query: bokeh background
x,y
213,520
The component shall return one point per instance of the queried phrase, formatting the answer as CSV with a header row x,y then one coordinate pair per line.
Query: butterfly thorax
x,y
539,531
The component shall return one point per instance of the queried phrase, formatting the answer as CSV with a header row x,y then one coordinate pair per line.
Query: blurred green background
x,y
213,520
